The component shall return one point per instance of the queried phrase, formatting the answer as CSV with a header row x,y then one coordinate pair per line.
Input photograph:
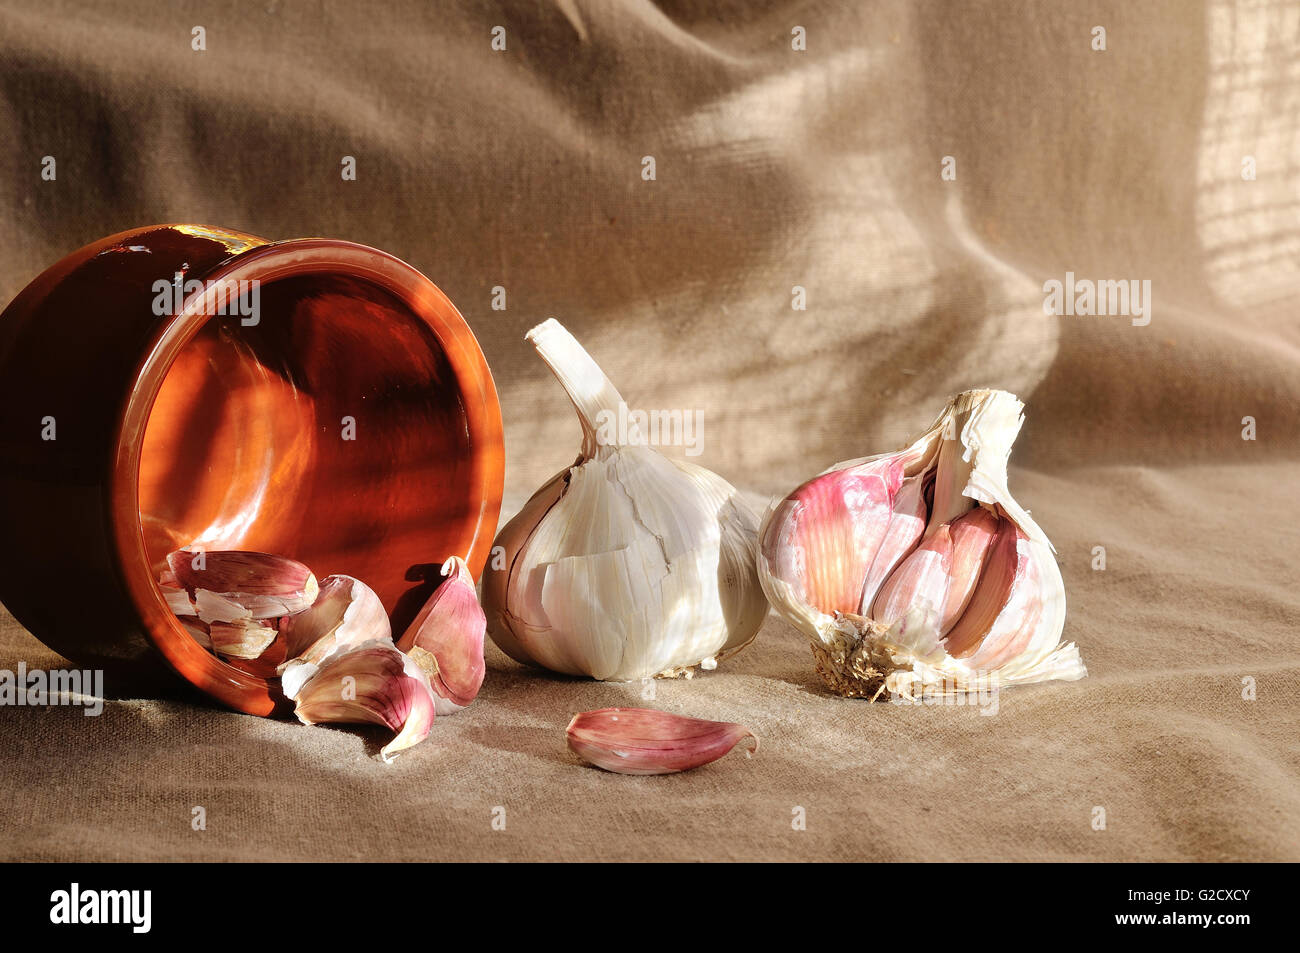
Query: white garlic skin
x,y
629,564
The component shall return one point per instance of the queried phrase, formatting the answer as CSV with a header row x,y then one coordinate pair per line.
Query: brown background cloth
x,y
775,168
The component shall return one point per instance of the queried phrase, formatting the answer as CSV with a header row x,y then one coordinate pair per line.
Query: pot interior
x,y
326,425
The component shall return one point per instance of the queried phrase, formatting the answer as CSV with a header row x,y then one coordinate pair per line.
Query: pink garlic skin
x,y
450,628
387,688
836,538
823,537
644,741
264,585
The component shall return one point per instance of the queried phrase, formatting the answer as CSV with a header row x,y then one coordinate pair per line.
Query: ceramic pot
x,y
182,384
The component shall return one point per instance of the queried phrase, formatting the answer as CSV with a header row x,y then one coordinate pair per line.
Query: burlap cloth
x,y
775,168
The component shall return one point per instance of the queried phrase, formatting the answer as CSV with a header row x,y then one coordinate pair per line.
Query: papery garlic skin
x,y
629,564
346,614
815,543
178,600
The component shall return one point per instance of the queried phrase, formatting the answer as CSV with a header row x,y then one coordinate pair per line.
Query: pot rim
x,y
268,263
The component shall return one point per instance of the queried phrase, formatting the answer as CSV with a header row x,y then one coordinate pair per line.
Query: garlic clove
x,y
1016,618
266,585
446,639
922,579
644,741
831,529
972,534
906,526
628,564
347,613
373,683
241,640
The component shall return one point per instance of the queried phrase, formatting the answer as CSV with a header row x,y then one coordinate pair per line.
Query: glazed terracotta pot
x,y
340,412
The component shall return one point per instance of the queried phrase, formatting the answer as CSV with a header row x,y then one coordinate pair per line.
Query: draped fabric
x,y
854,212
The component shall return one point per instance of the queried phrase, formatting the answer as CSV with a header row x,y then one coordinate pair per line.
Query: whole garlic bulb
x,y
628,564
916,571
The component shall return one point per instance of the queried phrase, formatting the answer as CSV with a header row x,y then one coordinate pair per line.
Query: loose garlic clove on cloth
x,y
645,741
372,683
629,564
917,571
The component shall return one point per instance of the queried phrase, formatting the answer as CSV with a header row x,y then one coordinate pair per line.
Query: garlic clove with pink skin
x,y
973,599
265,585
372,683
446,639
645,741
972,535
831,529
924,576
906,525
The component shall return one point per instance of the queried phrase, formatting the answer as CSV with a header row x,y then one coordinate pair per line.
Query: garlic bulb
x,y
628,564
916,572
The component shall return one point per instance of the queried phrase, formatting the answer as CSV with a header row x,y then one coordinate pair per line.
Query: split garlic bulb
x,y
917,572
628,564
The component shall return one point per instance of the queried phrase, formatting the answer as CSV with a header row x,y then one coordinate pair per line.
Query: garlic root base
x,y
855,667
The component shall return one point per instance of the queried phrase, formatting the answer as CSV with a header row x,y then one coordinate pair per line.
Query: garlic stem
x,y
582,379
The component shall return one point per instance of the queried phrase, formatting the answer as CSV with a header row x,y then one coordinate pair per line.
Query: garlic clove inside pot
x,y
263,585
